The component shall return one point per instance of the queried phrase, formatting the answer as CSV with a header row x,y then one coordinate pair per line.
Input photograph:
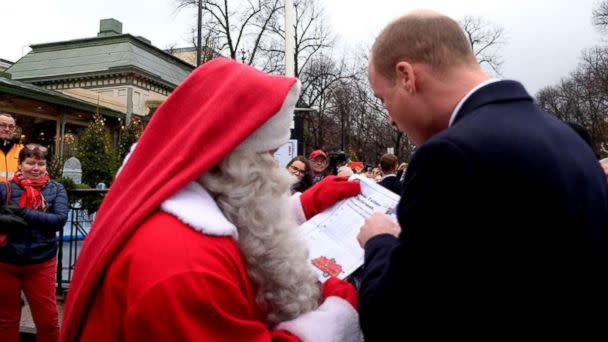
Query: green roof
x,y
30,91
99,55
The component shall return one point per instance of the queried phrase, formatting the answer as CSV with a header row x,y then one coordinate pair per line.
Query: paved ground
x,y
27,323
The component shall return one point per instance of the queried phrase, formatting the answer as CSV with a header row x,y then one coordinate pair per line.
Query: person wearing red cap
x,y
318,163
201,244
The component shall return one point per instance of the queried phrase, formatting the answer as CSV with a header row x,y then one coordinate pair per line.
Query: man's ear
x,y
406,77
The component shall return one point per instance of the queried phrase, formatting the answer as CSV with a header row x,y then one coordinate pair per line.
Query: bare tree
x,y
374,119
240,26
551,99
171,48
599,16
322,75
582,97
209,45
486,40
347,116
312,36
350,118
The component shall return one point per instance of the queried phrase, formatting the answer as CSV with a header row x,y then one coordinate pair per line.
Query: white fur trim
x,y
334,320
194,206
275,132
295,207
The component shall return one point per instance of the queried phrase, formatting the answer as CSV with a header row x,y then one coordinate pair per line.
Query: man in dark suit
x,y
388,166
504,212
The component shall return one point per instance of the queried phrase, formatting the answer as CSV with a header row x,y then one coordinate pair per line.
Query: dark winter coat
x,y
504,219
37,242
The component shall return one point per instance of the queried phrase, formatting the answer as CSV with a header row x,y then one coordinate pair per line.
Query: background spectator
x,y
388,166
9,149
318,162
27,262
300,167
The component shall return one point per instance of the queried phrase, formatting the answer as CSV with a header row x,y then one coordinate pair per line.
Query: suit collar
x,y
501,91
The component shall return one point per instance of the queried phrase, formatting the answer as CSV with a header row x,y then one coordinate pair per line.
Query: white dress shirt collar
x,y
461,102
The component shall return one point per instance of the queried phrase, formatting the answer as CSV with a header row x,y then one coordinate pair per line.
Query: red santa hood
x,y
221,106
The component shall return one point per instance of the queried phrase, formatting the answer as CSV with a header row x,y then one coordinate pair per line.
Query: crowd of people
x,y
501,232
388,173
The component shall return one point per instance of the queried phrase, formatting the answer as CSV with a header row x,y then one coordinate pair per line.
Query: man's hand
x,y
375,225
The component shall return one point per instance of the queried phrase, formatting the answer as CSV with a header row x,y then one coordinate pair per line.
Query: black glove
x,y
10,222
12,209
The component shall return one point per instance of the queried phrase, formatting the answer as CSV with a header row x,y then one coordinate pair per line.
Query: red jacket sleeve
x,y
197,306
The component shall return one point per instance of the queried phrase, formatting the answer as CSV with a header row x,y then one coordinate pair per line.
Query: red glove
x,y
334,320
340,288
326,193
3,239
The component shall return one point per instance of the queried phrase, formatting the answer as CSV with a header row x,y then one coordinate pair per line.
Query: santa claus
x,y
197,237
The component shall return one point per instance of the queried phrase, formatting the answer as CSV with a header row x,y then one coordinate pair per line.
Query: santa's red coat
x,y
167,281
172,283
181,277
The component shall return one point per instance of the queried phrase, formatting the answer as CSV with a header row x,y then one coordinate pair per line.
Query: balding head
x,y
422,36
423,13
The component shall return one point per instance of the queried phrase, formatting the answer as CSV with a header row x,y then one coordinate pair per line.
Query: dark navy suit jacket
x,y
504,218
392,182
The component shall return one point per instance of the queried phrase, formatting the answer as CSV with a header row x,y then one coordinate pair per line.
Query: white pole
x,y
290,39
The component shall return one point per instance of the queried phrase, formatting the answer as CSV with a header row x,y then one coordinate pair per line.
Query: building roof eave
x,y
108,72
33,92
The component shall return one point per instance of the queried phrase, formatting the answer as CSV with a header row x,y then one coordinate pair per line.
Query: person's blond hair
x,y
435,40
252,191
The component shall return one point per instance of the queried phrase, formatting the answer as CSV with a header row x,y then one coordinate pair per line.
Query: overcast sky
x,y
545,37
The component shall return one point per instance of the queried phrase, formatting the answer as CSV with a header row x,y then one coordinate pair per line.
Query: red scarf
x,y
31,197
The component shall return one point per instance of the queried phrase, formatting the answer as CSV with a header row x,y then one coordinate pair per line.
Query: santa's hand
x,y
342,289
326,193
336,319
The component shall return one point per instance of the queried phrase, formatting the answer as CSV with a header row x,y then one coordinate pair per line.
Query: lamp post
x,y
297,127
290,39
198,37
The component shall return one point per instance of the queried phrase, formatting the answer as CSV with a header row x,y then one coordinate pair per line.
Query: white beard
x,y
252,192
